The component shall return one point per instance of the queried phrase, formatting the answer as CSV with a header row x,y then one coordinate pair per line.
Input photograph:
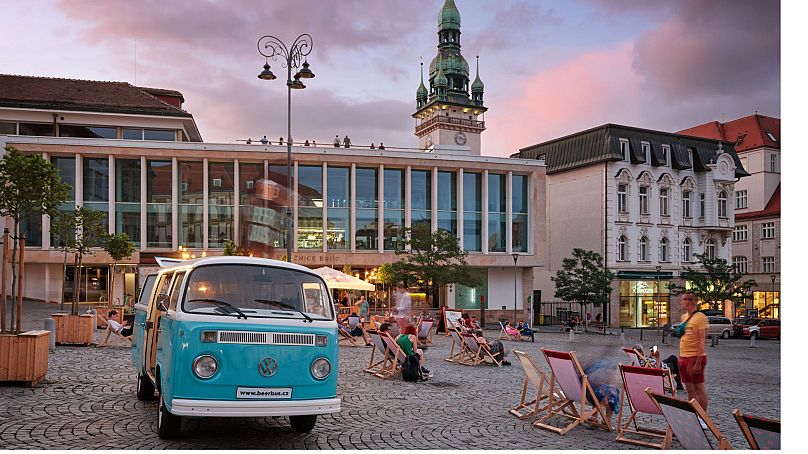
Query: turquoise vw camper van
x,y
236,337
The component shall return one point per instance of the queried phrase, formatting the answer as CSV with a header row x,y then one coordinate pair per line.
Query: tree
x,y
719,282
81,230
583,278
434,260
386,276
119,247
29,186
230,248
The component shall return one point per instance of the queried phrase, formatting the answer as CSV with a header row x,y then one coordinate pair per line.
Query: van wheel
x,y
725,334
145,388
168,425
303,423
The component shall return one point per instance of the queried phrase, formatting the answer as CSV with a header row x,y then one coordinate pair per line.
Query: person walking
x,y
403,302
692,355
363,307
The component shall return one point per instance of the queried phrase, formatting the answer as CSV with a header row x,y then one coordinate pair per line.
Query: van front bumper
x,y
230,408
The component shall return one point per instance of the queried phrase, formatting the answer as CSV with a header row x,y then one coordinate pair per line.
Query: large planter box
x,y
74,329
24,357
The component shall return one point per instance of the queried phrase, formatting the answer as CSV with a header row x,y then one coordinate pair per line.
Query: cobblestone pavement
x,y
88,401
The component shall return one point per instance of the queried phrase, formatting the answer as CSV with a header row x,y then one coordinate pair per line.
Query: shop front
x,y
644,299
766,304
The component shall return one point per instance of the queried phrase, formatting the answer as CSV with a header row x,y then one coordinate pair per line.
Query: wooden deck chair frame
x,y
477,353
345,336
457,343
671,404
503,334
427,339
397,355
635,356
528,409
108,332
749,424
381,364
568,387
635,381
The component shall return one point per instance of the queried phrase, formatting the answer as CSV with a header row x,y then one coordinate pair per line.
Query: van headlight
x,y
320,368
205,366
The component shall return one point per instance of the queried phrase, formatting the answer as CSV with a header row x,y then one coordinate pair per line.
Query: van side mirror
x,y
162,302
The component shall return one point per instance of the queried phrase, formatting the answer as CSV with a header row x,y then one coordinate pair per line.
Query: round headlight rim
x,y
200,358
314,363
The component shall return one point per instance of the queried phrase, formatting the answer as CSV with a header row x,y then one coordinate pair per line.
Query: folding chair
x,y
568,380
683,419
397,355
457,343
636,380
477,353
634,356
425,331
760,433
109,331
384,366
503,334
345,336
640,360
539,379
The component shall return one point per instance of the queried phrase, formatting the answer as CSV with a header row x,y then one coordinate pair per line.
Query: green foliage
x,y
118,246
583,278
385,274
230,248
720,281
434,260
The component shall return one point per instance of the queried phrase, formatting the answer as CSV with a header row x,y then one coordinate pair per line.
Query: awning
x,y
338,279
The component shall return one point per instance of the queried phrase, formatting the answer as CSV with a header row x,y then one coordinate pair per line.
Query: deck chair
x,y
109,331
636,380
683,419
397,356
568,380
638,359
538,378
760,433
476,352
425,331
459,349
503,335
634,356
345,336
381,362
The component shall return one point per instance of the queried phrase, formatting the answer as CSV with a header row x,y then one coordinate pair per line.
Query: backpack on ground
x,y
411,369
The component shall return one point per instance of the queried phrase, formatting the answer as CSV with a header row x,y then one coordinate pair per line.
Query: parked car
x,y
712,312
236,337
720,326
767,328
741,323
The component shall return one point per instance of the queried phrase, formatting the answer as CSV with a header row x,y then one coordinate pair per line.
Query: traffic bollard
x,y
640,334
572,335
752,341
622,339
50,325
714,341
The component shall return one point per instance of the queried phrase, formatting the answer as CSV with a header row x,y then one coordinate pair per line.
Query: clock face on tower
x,y
460,138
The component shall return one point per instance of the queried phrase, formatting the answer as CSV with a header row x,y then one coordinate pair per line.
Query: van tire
x,y
168,425
303,423
145,388
725,334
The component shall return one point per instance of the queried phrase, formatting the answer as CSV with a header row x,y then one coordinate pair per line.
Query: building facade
x,y
647,201
756,237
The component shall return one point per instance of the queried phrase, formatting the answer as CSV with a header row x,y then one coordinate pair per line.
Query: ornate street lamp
x,y
774,277
658,304
515,296
291,57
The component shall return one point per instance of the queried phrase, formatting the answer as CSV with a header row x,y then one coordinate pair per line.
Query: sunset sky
x,y
550,68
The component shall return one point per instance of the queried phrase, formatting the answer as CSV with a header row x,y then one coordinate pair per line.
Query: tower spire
x,y
422,94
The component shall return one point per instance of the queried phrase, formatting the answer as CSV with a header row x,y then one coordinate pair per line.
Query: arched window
x,y
622,253
643,249
663,250
709,249
686,250
722,205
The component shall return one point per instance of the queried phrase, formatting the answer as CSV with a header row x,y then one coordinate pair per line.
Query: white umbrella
x,y
338,279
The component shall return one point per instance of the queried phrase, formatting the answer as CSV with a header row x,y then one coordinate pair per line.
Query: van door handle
x,y
149,324
142,324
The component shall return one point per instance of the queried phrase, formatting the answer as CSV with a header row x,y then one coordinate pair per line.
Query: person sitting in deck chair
x,y
602,373
496,348
513,332
525,331
671,362
355,325
113,326
408,341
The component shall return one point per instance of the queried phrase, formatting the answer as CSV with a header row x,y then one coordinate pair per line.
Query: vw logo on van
x,y
267,367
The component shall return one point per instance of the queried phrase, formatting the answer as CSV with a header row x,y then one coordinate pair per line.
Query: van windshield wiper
x,y
222,304
285,305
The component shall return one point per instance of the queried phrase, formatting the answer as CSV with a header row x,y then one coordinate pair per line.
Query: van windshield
x,y
256,291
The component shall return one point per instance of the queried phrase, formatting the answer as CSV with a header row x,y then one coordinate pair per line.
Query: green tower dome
x,y
422,92
451,62
477,86
449,16
440,79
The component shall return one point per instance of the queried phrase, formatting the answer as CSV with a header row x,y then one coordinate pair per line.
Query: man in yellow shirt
x,y
692,356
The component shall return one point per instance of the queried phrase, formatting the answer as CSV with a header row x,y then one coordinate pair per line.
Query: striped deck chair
x,y
345,336
457,344
503,334
397,354
539,380
425,331
568,380
477,353
636,380
683,418
760,433
381,363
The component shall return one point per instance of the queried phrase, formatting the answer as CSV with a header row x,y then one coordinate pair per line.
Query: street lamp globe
x,y
266,74
305,73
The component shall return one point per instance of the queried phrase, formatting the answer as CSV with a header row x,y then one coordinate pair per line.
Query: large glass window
x,y
158,204
127,198
67,172
473,297
96,184
642,303
393,209
36,129
221,184
310,207
472,211
367,196
168,135
100,132
339,203
253,207
447,202
421,198
8,128
496,212
519,213
276,195
191,203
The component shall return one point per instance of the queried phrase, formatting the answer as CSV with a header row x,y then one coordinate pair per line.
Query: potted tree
x,y
80,231
29,185
119,247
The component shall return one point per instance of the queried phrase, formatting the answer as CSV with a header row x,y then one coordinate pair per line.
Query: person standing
x,y
692,355
403,302
363,307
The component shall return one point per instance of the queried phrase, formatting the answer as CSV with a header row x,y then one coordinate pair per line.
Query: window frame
x,y
722,205
622,248
740,232
663,202
687,212
768,264
741,264
622,198
768,231
643,195
687,250
642,252
664,252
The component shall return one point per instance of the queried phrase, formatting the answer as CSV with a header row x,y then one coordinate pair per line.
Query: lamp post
x,y
515,296
272,47
658,303
774,277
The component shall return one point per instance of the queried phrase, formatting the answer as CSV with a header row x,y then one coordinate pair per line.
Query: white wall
x,y
500,288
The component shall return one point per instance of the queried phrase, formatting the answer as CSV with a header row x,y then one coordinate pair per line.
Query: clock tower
x,y
447,118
